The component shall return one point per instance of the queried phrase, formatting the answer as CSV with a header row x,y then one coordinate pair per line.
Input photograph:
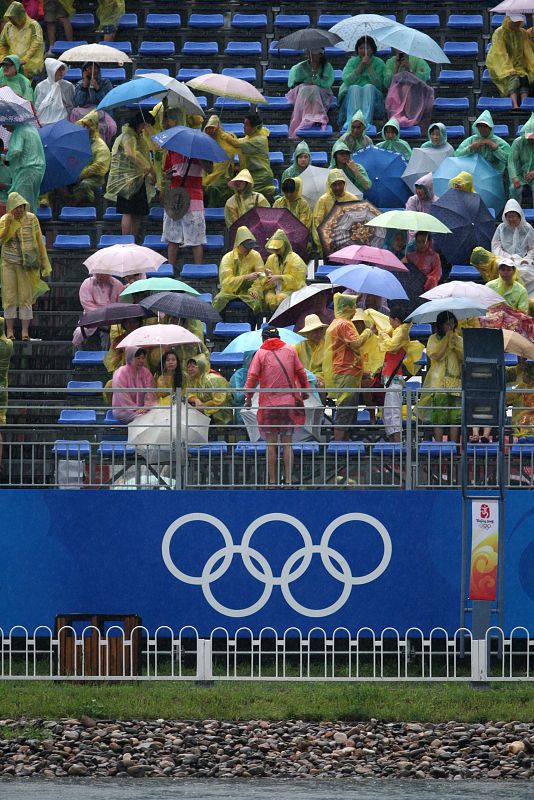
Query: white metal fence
x,y
88,653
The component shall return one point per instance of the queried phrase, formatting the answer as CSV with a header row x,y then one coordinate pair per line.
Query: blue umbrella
x,y
385,170
67,150
370,280
253,341
131,91
14,114
472,225
354,28
190,143
487,181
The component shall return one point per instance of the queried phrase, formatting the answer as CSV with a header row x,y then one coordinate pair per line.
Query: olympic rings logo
x,y
334,562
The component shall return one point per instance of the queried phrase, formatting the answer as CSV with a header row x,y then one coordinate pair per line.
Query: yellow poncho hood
x,y
243,234
345,305
463,181
280,244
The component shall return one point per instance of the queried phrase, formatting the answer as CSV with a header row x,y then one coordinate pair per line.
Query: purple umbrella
x,y
263,222
112,314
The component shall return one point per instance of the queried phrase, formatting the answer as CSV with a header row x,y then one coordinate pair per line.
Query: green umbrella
x,y
409,221
157,285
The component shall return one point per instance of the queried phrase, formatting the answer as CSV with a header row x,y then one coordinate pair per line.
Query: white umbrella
x,y
95,53
468,290
179,95
410,41
462,308
158,427
422,161
515,7
227,86
314,184
124,259
360,25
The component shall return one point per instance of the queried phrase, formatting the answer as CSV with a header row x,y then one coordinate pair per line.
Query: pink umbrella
x,y
226,86
163,335
358,253
124,259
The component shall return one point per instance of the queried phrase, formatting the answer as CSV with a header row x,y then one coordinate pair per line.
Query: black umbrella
x,y
112,314
309,39
472,225
181,306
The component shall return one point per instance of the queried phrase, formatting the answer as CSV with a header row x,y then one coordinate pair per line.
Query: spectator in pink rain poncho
x,y
96,291
136,376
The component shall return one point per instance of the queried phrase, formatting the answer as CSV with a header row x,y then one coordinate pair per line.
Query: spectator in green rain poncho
x,y
356,138
342,159
310,84
521,161
22,36
253,150
437,140
6,351
392,141
26,160
11,75
486,144
301,161
109,13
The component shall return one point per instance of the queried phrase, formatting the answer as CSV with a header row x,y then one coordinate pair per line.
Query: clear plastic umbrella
x,y
422,161
179,95
314,184
410,41
350,30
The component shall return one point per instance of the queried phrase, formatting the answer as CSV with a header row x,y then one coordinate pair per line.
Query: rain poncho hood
x,y
241,202
280,243
24,249
19,83
513,241
395,145
243,175
15,200
52,96
426,182
234,268
243,234
298,206
497,158
334,175
360,179
486,263
463,182
283,261
215,183
521,159
17,13
23,37
51,66
509,57
443,144
93,173
339,147
345,305
356,142
294,170
90,121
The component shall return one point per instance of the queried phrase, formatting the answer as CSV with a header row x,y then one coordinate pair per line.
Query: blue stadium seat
x,y
124,47
275,51
206,297
413,132
73,74
388,449
64,241
218,360
89,358
250,448
327,21
185,74
243,73
82,21
276,158
243,49
114,74
464,272
111,419
156,212
200,272
156,49
249,21
510,360
109,239
455,131
229,330
482,450
230,104
465,22
61,46
126,22
44,213
422,21
461,49
494,104
315,133
215,214
163,21
497,20
277,131
115,450
209,449
84,388
163,271
527,104
320,158
200,49
456,76
306,448
154,242
206,21
214,242
458,104
293,21
438,449
529,215
64,448
502,131
277,103
276,76
77,214
345,448
420,331
111,214
75,416
148,70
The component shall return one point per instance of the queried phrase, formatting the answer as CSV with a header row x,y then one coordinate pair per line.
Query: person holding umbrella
x,y
521,162
131,176
136,377
96,291
241,274
254,155
394,342
24,261
364,80
88,93
356,137
22,36
342,159
486,144
243,199
26,161
510,60
437,139
509,287
216,182
445,351
310,83
11,75
300,161
284,269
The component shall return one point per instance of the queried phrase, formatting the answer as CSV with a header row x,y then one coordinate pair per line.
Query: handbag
x,y
176,201
299,402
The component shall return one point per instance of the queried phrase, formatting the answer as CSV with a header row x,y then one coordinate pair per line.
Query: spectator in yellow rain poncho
x,y
293,200
510,60
463,182
22,36
254,155
243,199
486,263
241,274
93,174
161,118
216,187
284,269
335,193
200,383
311,350
24,260
6,352
58,11
522,377
109,13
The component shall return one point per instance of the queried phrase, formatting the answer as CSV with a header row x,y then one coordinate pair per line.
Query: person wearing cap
x,y
11,75
510,59
311,350
241,273
310,83
88,93
216,188
284,269
514,240
521,162
394,342
508,287
243,199
22,36
54,97
485,143
293,200
335,193
342,363
341,158
253,151
131,176
277,366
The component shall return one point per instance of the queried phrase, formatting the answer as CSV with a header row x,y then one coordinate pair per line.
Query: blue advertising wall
x,y
248,558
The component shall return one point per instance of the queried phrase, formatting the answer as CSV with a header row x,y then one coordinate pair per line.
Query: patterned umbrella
x,y
346,224
360,25
12,113
504,316
263,222
181,306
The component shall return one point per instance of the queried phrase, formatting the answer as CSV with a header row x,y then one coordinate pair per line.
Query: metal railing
x,y
54,438
89,654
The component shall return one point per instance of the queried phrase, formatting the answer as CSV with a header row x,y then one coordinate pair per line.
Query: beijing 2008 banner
x,y
484,549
